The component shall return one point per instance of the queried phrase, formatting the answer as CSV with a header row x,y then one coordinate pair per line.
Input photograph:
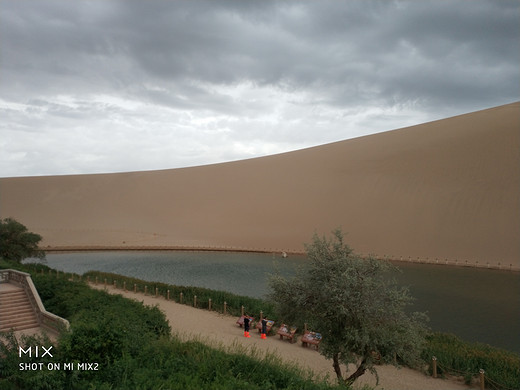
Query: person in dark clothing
x,y
264,328
246,326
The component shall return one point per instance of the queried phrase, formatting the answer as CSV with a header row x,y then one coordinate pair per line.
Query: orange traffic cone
x,y
263,336
247,335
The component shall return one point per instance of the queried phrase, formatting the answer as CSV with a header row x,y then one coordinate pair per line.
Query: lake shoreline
x,y
476,304
178,248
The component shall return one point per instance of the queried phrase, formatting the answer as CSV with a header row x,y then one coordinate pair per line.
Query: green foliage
x,y
134,349
234,302
149,359
457,356
99,321
16,242
353,304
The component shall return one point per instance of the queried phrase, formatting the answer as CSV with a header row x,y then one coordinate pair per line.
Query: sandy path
x,y
216,329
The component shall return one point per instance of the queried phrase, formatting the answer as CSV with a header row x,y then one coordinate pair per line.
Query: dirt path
x,y
216,329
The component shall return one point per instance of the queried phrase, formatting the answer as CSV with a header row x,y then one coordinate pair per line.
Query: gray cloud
x,y
191,82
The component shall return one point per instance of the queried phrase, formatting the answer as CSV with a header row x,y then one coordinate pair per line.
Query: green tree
x,y
355,304
17,243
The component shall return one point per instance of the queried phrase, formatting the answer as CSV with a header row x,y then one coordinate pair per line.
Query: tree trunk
x,y
360,371
337,367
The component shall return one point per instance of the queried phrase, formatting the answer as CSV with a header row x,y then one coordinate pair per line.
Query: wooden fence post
x,y
115,283
135,287
194,301
105,281
180,296
145,290
209,304
156,292
124,286
168,295
225,307
96,281
242,310
481,378
261,315
434,369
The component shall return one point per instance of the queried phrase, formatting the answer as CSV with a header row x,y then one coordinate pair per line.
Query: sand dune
x,y
446,190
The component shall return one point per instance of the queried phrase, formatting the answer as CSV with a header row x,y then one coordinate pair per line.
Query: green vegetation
x,y
16,242
234,302
353,304
458,357
149,359
133,348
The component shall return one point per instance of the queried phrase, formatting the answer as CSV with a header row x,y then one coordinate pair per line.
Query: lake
x,y
475,304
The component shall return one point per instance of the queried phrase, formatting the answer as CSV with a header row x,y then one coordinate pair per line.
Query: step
x,y
11,308
15,322
14,300
24,323
16,313
24,298
15,303
12,292
4,298
19,327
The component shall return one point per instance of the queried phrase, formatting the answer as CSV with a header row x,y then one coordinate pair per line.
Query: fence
x,y
469,377
202,298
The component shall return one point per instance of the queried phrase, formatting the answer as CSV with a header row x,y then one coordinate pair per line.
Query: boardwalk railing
x,y
45,319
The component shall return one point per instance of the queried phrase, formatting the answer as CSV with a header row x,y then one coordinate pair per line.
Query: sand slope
x,y
448,189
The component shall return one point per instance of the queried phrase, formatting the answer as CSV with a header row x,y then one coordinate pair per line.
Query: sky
x,y
115,86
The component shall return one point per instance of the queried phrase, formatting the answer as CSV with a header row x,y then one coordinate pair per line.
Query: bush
x,y
500,366
133,347
234,302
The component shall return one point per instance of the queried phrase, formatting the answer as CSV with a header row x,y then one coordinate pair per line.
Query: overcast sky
x,y
111,86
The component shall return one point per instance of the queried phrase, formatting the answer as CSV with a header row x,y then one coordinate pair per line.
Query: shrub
x,y
234,302
500,366
134,349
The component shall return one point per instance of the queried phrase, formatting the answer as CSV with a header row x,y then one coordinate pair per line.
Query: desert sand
x,y
221,331
446,191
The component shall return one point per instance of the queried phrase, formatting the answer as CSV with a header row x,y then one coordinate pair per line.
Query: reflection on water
x,y
476,304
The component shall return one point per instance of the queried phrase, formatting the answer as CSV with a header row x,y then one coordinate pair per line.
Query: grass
x,y
76,302
134,348
454,355
234,302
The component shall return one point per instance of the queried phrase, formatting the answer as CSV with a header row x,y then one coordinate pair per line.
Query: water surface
x,y
475,304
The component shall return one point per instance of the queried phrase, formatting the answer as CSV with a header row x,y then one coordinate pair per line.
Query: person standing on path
x,y
246,326
264,328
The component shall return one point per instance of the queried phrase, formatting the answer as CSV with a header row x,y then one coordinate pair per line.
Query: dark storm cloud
x,y
252,68
404,50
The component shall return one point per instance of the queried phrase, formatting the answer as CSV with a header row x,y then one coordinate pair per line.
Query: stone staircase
x,y
16,311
